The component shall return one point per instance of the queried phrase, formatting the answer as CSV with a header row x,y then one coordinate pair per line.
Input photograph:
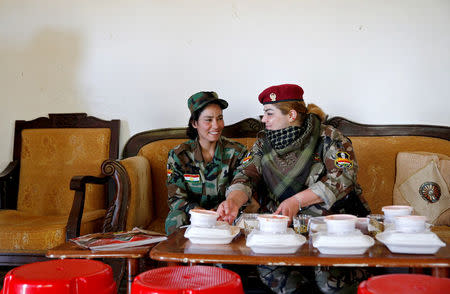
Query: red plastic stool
x,y
187,280
404,284
67,276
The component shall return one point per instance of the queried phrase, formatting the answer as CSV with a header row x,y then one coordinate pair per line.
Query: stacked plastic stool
x,y
404,284
187,280
67,276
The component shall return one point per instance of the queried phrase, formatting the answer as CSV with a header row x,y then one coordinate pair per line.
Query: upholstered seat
x,y
37,198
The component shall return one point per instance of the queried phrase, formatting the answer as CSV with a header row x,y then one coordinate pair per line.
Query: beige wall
x,y
138,60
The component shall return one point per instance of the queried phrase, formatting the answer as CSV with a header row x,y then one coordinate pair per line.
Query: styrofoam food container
x,y
222,233
340,223
410,223
273,223
351,243
203,218
411,243
392,211
275,243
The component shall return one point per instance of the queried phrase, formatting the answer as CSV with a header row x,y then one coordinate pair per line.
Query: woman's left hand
x,y
288,207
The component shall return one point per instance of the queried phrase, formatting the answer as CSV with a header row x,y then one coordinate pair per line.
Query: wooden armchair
x,y
38,209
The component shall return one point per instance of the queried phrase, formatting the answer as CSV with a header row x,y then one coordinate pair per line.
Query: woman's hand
x,y
291,206
288,207
229,209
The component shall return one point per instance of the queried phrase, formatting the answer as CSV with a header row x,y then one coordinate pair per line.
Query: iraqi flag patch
x,y
191,177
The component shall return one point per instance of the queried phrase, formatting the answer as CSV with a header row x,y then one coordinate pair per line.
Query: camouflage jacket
x,y
331,170
192,183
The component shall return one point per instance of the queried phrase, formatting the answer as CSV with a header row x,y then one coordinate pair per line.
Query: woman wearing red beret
x,y
303,166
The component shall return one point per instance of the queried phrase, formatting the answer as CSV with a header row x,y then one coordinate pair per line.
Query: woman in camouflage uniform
x,y
200,170
304,166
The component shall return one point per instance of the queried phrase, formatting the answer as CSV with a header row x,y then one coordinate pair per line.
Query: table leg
x,y
132,269
440,272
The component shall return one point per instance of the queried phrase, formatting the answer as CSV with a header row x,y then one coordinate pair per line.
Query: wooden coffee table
x,y
132,255
178,249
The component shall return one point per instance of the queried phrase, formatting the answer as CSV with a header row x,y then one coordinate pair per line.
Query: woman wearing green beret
x,y
200,170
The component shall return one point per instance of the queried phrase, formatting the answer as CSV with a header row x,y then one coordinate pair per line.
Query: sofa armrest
x,y
140,210
9,185
78,183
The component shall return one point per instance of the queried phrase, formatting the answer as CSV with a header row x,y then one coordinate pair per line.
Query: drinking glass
x,y
301,224
376,224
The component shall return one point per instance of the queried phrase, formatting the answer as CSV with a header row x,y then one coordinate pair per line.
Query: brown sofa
x,y
376,146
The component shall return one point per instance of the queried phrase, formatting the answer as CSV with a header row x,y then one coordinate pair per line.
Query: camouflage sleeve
x,y
248,174
340,165
241,156
178,202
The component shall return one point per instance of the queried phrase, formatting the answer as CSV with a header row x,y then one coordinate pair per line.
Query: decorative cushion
x,y
422,182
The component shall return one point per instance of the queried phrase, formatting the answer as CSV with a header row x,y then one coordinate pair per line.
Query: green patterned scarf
x,y
285,170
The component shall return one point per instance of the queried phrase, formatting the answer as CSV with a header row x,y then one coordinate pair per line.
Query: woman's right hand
x,y
229,209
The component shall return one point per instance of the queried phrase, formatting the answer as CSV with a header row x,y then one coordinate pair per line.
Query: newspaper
x,y
118,240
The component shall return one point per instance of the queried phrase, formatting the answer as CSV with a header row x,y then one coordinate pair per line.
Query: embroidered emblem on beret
x,y
430,191
273,96
343,160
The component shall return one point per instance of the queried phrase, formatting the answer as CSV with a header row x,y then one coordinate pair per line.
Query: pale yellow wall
x,y
138,60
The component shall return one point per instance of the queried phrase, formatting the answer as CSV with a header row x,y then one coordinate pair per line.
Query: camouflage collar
x,y
197,150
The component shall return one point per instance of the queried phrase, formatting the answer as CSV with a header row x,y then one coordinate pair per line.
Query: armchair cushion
x,y
21,231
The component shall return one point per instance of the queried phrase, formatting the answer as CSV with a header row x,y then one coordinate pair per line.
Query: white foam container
x,y
273,223
410,223
340,223
203,218
391,211
411,243
222,233
275,243
352,243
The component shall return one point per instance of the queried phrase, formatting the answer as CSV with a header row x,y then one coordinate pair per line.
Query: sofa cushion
x,y
416,167
21,231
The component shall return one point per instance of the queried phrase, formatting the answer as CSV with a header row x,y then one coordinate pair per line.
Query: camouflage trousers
x,y
284,279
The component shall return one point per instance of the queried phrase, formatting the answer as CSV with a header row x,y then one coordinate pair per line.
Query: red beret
x,y
280,93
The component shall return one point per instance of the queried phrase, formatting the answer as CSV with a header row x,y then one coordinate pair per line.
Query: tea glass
x,y
301,224
376,224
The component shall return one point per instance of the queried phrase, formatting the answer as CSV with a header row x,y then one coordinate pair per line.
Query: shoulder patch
x,y
191,177
343,160
247,158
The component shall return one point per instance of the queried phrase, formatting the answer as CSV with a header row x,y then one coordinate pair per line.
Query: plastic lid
x,y
74,276
191,279
404,284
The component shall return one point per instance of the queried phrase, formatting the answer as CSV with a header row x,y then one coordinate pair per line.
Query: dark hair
x,y
192,132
